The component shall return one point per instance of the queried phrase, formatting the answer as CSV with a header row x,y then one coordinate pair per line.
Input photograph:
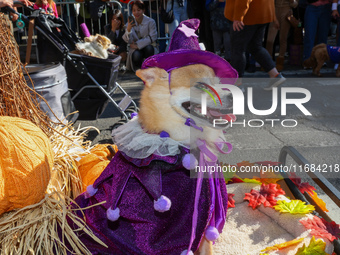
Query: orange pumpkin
x,y
92,165
26,160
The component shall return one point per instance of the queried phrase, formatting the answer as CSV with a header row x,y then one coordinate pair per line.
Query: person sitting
x,y
48,5
141,36
114,31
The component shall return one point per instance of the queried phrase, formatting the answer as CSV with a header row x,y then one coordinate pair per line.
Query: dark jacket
x,y
116,40
217,20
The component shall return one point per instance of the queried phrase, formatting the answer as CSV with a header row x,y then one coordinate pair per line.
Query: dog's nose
x,y
227,103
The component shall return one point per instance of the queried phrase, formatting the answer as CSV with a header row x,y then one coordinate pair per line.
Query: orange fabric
x,y
251,12
93,164
26,160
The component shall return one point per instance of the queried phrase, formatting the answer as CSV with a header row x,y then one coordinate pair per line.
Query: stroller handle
x,y
30,8
8,9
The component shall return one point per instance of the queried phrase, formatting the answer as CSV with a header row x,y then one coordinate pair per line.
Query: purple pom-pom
x,y
164,134
185,252
189,161
162,204
134,114
90,191
113,215
211,233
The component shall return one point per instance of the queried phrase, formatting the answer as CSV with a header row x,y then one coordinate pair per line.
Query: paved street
x,y
316,137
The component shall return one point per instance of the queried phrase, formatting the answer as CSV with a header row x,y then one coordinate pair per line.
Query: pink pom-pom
x,y
185,252
211,233
162,204
113,215
189,161
90,191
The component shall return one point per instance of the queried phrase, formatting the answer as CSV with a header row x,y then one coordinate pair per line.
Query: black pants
x,y
140,54
249,39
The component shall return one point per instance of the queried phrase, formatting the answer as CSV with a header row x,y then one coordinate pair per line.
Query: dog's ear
x,y
150,75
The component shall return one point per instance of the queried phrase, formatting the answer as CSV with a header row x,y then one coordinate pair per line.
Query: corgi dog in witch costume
x,y
156,202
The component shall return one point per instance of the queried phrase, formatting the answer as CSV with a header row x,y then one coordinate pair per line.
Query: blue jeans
x,y
249,39
317,23
180,14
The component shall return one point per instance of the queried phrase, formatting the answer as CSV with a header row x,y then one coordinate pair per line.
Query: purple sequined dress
x,y
132,185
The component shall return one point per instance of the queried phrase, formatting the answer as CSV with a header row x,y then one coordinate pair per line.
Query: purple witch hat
x,y
184,50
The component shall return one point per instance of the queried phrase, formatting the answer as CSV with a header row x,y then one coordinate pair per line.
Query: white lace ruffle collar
x,y
135,143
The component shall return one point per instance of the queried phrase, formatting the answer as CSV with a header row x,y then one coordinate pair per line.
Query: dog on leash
x,y
95,46
154,204
320,54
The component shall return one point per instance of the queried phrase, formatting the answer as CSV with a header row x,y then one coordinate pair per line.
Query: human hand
x,y
114,25
133,45
238,25
14,17
130,25
277,24
25,2
4,3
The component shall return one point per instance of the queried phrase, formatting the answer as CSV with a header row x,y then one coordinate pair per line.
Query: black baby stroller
x,y
91,80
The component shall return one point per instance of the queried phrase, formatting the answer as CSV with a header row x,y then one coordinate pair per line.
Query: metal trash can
x,y
50,81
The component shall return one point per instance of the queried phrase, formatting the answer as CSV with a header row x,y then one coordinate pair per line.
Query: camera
x,y
131,18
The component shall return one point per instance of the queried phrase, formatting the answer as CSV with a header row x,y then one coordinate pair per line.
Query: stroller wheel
x,y
119,123
129,111
132,108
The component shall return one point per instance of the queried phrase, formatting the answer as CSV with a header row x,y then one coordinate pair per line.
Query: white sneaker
x,y
275,82
122,68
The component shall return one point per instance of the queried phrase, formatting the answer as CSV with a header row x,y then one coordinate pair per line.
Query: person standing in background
x,y
220,27
180,13
48,6
317,24
336,15
283,9
249,20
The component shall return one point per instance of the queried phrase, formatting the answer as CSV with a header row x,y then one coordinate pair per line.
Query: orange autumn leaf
x,y
283,245
266,180
319,201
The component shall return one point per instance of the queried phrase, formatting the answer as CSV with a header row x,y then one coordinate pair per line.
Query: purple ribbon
x,y
218,215
191,123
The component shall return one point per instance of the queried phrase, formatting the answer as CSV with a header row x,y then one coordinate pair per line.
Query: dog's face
x,y
191,86
95,45
166,107
103,41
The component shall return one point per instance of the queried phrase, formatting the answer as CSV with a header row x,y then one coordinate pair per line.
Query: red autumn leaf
x,y
302,186
267,163
255,198
265,196
235,180
272,188
322,228
231,201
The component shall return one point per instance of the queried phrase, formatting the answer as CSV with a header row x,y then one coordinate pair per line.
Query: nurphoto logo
x,y
238,104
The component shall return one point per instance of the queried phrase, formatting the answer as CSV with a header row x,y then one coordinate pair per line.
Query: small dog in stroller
x,y
95,46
